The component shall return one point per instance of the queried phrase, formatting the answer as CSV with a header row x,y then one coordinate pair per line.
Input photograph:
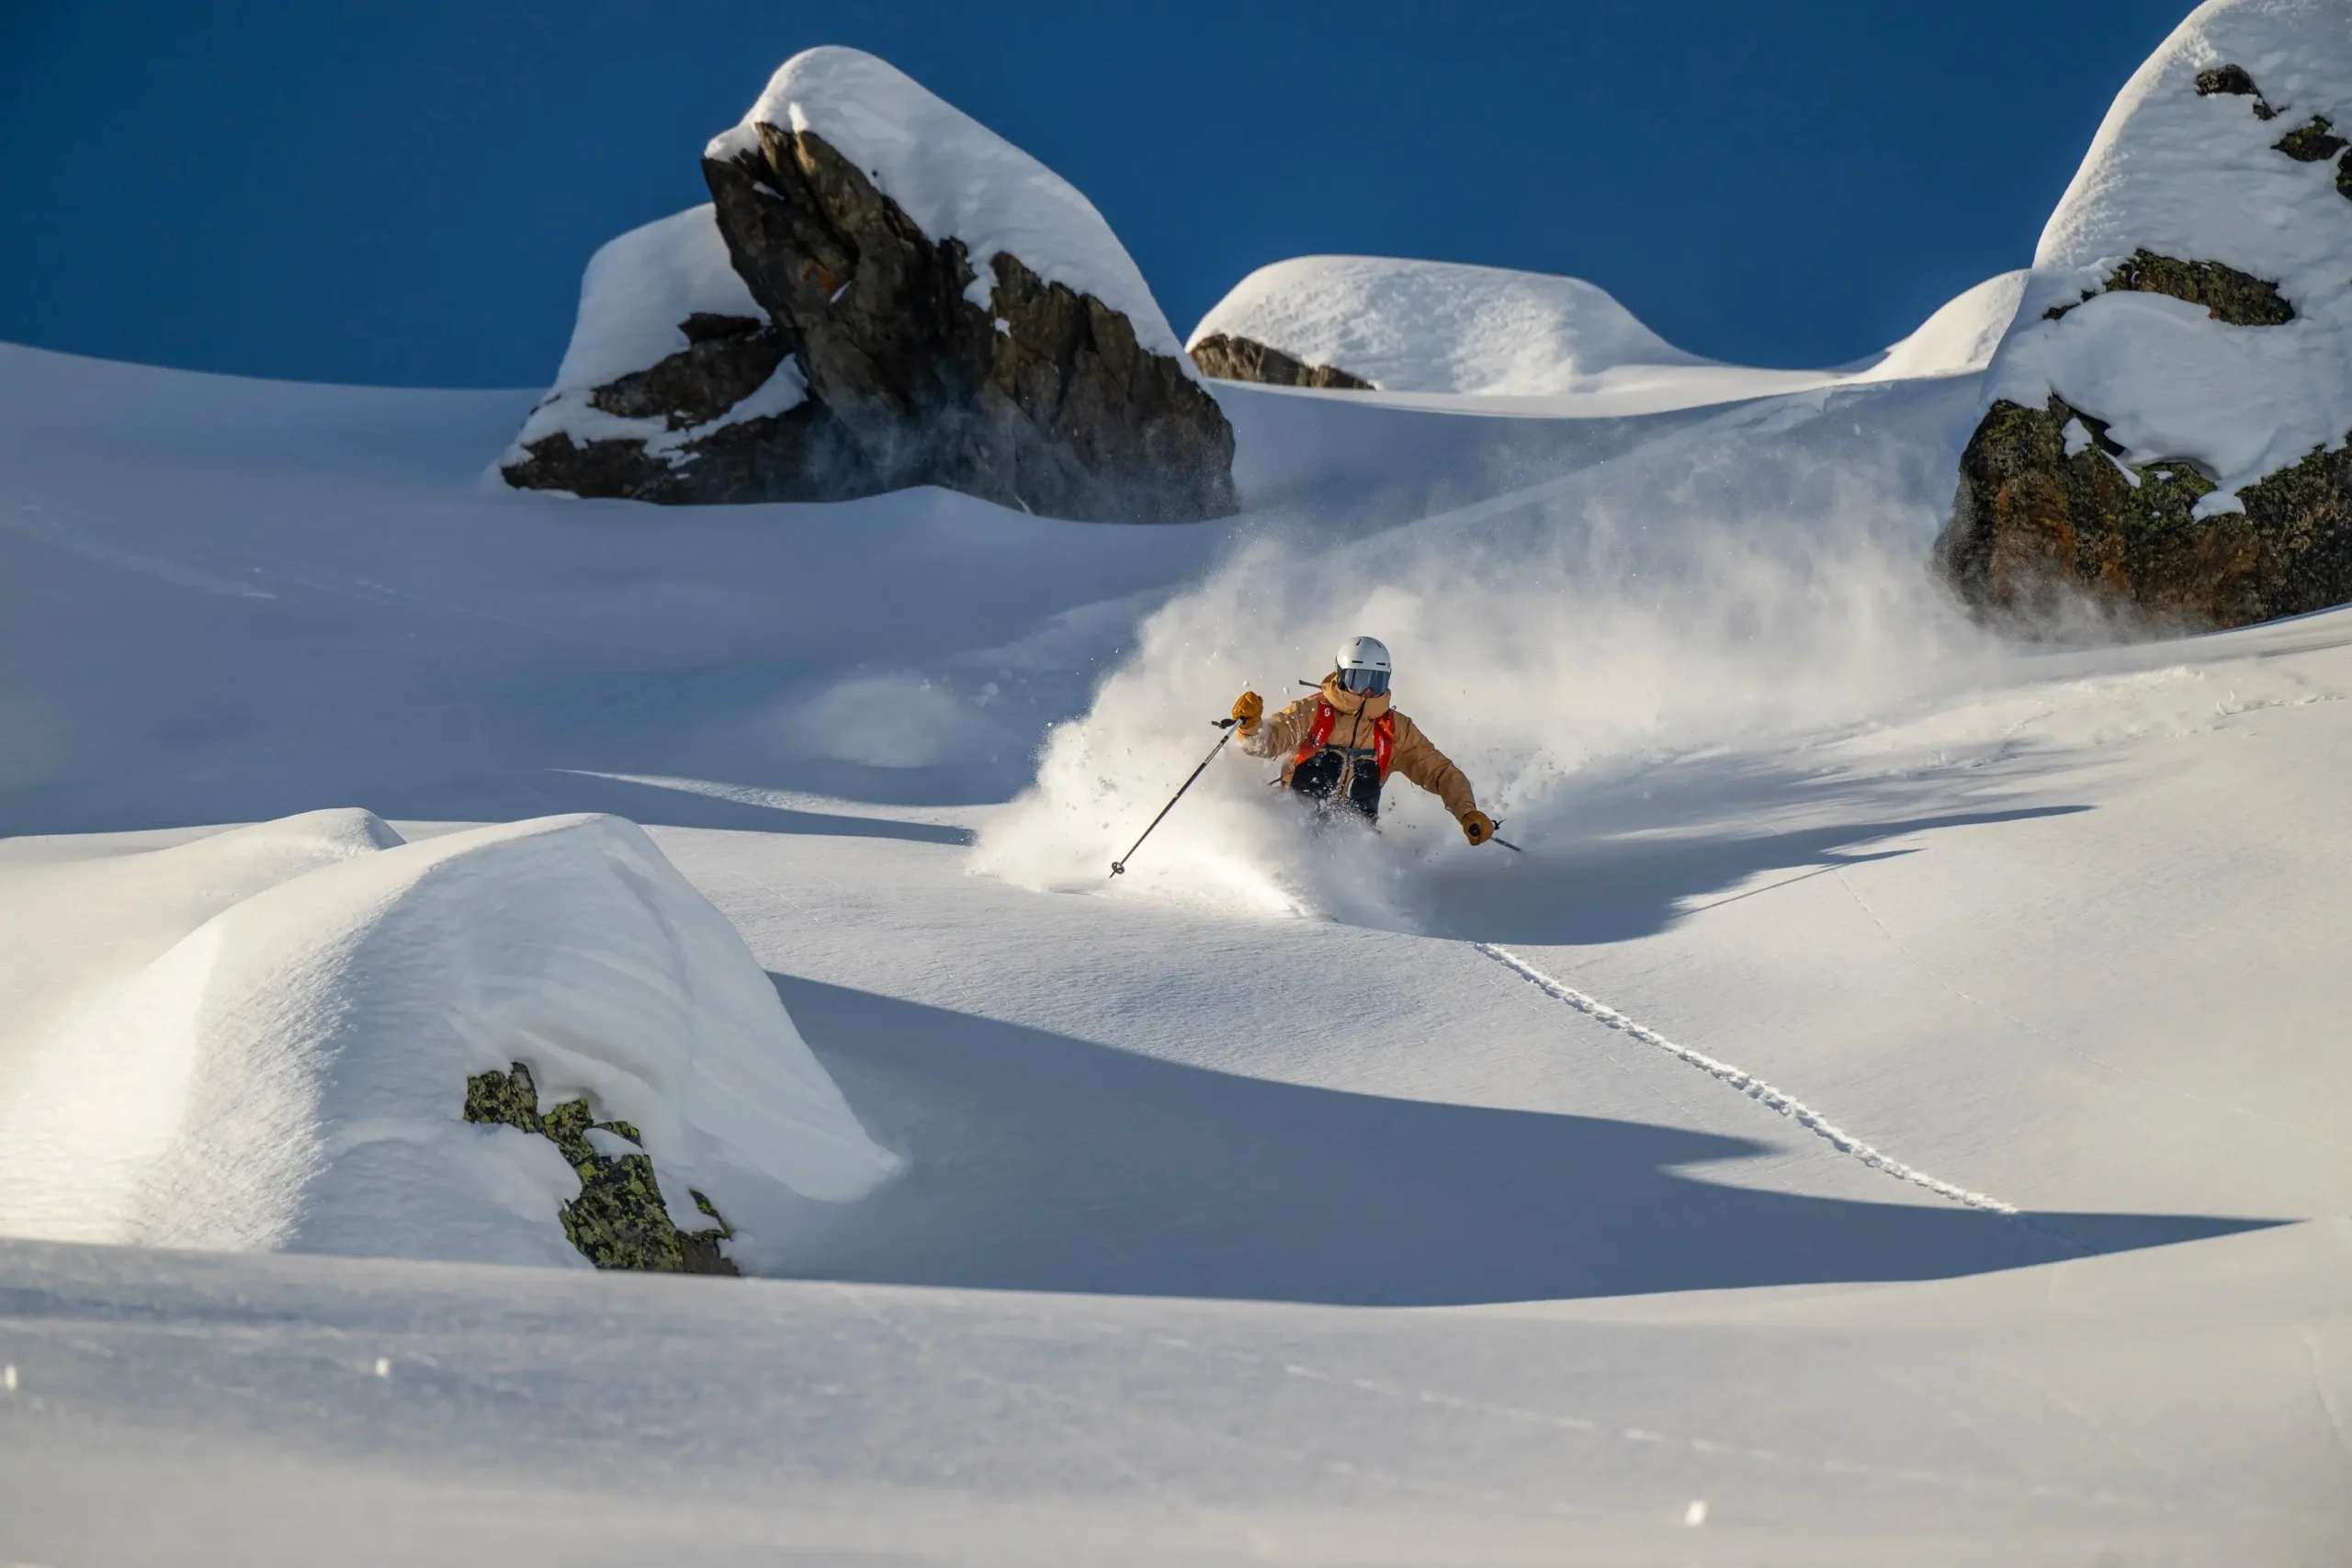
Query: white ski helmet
x,y
1363,665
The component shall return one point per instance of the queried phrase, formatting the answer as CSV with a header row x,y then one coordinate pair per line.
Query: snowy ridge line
x,y
1755,1088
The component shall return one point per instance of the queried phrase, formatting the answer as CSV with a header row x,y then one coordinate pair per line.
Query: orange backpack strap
x,y
1317,738
1384,739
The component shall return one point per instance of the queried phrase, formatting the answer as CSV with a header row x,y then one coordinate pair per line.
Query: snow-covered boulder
x,y
293,1053
1421,326
884,293
2168,417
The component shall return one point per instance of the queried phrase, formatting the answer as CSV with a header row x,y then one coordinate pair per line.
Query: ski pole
x,y
1119,865
1506,843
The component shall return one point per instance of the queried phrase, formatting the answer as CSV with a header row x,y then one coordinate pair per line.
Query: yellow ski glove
x,y
1477,827
1248,709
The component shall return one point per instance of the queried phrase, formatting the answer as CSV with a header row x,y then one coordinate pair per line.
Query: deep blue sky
x,y
406,192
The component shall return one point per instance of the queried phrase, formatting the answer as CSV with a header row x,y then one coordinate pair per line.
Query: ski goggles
x,y
1364,682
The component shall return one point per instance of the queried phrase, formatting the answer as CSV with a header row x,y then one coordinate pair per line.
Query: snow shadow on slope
x,y
1618,890
1042,1162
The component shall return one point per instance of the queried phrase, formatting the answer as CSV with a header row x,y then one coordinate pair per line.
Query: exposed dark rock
x,y
1232,358
618,1220
2035,532
2234,80
1045,402
2227,294
2312,142
726,359
2344,177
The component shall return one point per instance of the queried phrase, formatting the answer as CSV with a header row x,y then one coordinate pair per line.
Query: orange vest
x,y
1383,737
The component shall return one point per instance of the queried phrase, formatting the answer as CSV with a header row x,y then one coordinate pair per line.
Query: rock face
x,y
620,1220
1045,402
1232,358
2050,512
2174,469
2227,294
876,355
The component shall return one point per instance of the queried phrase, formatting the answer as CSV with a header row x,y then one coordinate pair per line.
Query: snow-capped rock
x,y
2168,416
907,298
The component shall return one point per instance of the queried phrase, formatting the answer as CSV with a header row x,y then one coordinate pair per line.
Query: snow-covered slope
x,y
1897,1081
956,177
259,1041
1849,939
2197,176
1531,343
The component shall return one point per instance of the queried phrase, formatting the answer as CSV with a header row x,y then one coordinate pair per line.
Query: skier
x,y
1342,742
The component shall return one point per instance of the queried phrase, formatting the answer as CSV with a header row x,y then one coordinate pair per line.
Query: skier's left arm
x,y
1414,757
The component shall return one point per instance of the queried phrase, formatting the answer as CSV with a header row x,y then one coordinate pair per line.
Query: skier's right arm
x,y
1280,734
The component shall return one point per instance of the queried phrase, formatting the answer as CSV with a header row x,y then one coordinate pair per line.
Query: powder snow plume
x,y
1719,586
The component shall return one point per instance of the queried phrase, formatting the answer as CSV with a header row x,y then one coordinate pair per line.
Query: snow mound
x,y
289,1073
2199,178
1959,339
1443,328
634,302
956,177
1421,326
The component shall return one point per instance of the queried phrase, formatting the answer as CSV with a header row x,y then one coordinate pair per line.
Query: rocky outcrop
x,y
620,1220
1231,358
2050,516
704,455
1041,400
2228,294
881,356
2236,80
2311,143
2164,469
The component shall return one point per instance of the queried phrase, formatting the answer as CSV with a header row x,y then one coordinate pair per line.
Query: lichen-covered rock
x,y
2312,142
877,352
620,1220
2228,294
2050,517
1229,357
2234,80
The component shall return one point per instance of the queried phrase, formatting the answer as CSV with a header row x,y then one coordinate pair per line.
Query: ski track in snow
x,y
1755,1088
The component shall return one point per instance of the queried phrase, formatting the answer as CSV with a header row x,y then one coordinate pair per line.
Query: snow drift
x,y
1440,329
1418,326
288,1074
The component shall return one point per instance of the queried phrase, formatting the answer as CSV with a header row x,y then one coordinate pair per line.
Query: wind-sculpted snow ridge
x,y
1756,573
1489,332
1755,1088
289,1074
1420,326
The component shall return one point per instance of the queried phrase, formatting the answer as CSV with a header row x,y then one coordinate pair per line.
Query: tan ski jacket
x,y
1410,755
